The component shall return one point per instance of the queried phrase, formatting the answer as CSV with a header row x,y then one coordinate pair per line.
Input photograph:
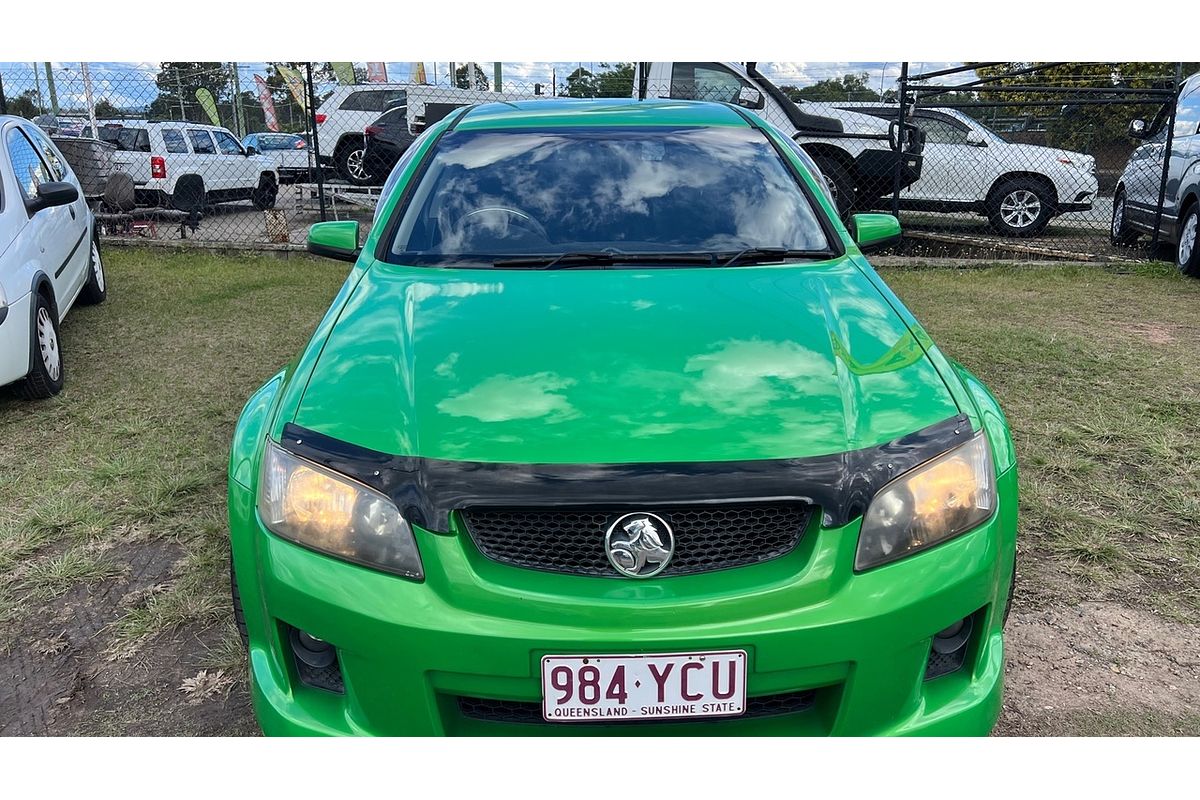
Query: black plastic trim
x,y
71,255
332,252
428,490
812,124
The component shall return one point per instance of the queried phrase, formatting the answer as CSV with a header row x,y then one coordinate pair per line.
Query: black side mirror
x,y
1138,128
251,151
51,194
750,98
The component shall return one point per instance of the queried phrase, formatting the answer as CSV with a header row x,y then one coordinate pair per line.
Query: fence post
x,y
3,99
900,138
1166,166
316,143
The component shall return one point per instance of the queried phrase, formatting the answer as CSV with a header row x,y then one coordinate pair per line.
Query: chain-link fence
x,y
994,160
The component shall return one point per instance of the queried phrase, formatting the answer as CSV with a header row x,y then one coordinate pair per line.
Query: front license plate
x,y
668,686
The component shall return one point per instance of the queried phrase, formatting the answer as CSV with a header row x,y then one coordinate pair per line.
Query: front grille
x,y
707,537
770,705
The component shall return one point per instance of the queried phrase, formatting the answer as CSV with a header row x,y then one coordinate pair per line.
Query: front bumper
x,y
1076,191
478,629
14,339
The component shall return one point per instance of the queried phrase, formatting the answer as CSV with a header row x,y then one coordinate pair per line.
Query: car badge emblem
x,y
639,545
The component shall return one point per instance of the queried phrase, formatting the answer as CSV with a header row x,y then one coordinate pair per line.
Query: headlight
x,y
938,500
321,509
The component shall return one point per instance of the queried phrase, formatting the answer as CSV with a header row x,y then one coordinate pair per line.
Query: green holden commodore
x,y
613,429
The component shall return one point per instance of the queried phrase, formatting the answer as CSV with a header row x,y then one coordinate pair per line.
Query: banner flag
x,y
376,72
209,104
267,102
294,83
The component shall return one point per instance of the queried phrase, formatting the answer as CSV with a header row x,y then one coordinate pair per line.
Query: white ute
x,y
858,154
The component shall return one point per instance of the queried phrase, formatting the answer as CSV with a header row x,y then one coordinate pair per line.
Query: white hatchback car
x,y
969,167
49,256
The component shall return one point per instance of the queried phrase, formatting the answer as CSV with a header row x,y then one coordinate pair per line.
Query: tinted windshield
x,y
636,190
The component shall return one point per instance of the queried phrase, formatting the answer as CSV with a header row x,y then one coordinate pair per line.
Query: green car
x,y
613,429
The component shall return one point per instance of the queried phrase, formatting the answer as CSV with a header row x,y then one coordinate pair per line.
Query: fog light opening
x,y
948,650
316,661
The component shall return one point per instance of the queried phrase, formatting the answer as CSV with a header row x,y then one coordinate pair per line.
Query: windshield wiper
x,y
760,254
602,258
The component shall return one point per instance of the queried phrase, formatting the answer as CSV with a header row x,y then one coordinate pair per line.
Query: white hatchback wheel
x,y
97,266
48,344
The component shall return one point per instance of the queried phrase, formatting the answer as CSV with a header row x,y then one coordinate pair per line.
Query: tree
x,y
24,105
580,83
462,82
613,80
1068,123
106,110
177,82
851,87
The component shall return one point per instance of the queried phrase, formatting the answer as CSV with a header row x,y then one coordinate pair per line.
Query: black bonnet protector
x,y
427,490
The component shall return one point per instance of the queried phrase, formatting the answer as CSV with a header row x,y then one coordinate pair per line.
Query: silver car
x,y
1136,201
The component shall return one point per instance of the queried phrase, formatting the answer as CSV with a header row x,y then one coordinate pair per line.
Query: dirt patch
x,y
1097,658
164,691
1152,332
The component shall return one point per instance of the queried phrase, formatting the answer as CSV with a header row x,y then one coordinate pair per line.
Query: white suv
x,y
341,119
157,154
969,167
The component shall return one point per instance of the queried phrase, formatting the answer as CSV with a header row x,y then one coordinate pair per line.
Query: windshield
x,y
489,195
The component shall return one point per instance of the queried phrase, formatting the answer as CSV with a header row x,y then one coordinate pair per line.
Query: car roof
x,y
606,112
367,87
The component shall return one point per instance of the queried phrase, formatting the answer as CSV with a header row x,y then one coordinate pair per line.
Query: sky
x,y
131,84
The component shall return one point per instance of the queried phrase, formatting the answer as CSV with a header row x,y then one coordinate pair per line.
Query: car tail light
x,y
372,130
300,145
158,167
320,118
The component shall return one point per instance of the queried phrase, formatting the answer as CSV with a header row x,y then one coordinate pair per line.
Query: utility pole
x,y
91,104
179,89
37,82
50,87
239,122
311,122
498,81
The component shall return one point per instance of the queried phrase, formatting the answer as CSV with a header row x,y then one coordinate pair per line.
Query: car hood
x,y
621,366
1038,158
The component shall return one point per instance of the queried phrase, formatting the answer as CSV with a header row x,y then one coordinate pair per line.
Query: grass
x,y
134,450
1097,369
1098,373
